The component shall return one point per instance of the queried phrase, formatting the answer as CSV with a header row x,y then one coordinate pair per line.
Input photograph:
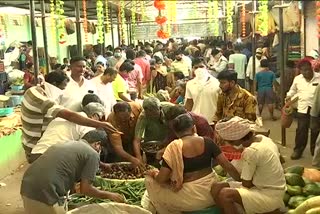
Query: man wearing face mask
x,y
263,183
234,100
202,91
217,62
120,85
181,64
47,181
117,57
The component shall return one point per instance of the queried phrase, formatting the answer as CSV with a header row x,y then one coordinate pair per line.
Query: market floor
x,y
11,203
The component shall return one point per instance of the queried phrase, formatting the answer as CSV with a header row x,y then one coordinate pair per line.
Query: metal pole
x,y
34,42
131,35
282,79
224,22
128,34
78,27
44,32
254,8
111,26
118,26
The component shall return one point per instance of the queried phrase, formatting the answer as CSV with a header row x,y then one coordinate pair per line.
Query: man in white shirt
x,y
105,92
202,92
263,183
237,62
60,130
217,62
181,64
249,72
78,85
303,87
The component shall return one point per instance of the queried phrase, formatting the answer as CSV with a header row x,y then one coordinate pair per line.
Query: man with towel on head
x,y
263,183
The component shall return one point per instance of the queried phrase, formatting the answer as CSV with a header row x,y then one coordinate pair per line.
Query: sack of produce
x,y
110,208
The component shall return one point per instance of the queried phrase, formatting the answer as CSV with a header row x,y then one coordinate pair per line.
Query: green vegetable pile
x,y
122,179
299,189
18,81
222,175
131,190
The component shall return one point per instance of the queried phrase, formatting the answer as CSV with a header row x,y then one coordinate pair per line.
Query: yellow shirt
x,y
119,85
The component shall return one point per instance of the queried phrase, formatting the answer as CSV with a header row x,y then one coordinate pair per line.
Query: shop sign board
x,y
149,32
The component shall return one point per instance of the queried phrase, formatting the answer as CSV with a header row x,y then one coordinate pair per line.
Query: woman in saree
x,y
184,179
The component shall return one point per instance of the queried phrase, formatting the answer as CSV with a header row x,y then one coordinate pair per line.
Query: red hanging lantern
x,y
161,20
162,34
159,4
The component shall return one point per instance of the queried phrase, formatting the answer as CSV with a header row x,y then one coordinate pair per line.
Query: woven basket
x,y
70,28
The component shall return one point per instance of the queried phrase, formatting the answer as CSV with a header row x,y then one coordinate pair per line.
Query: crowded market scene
x,y
159,107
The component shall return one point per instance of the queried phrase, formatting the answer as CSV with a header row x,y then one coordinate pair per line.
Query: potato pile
x,y
124,172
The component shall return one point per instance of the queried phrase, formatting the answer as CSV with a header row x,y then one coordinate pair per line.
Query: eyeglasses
x,y
199,66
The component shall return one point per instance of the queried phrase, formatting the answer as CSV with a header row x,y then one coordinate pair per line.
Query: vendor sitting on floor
x,y
124,117
184,180
263,183
47,181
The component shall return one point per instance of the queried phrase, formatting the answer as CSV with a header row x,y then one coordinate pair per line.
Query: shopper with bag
x,y
304,86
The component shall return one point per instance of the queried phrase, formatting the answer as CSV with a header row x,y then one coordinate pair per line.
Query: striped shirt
x,y
37,110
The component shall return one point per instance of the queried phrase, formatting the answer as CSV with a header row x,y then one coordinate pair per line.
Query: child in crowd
x,y
265,86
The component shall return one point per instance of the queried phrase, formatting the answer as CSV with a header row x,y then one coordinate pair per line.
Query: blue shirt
x,y
265,80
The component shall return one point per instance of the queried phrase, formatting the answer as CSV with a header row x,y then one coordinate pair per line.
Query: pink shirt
x,y
145,66
134,76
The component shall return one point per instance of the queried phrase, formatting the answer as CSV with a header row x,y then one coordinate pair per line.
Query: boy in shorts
x,y
265,85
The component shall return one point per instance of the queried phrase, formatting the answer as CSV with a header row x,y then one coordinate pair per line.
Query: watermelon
x,y
294,190
295,169
294,179
295,201
311,189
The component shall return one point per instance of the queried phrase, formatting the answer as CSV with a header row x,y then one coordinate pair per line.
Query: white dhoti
x,y
259,200
194,195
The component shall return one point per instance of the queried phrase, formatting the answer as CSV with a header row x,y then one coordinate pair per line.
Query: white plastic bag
x,y
110,208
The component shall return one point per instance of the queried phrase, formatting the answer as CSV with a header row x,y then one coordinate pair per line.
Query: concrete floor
x,y
10,201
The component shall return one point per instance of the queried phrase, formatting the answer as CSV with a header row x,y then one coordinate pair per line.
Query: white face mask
x,y
202,75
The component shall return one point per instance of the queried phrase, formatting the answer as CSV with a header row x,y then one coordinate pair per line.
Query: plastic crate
x,y
230,152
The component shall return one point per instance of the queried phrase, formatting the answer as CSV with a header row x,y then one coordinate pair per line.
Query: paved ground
x,y
10,202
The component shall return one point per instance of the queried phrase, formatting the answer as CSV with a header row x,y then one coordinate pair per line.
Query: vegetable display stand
x,y
110,208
